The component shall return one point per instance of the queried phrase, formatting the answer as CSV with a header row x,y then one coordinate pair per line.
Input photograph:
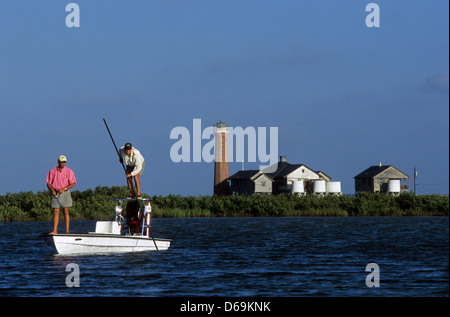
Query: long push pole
x,y
125,170
117,151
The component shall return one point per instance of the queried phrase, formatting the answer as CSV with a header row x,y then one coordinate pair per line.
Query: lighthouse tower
x,y
221,172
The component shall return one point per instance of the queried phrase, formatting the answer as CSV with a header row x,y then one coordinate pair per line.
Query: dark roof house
x,y
250,182
378,179
285,174
277,178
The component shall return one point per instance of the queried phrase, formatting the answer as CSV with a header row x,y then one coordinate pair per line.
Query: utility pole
x,y
415,197
415,174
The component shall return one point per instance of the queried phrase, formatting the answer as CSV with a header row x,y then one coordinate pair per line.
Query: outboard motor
x,y
134,216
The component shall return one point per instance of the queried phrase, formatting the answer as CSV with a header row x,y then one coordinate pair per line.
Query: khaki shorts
x,y
61,200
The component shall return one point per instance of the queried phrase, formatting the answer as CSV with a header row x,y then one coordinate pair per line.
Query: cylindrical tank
x,y
298,187
394,186
334,187
319,187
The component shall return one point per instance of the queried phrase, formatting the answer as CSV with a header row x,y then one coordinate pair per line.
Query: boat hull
x,y
71,243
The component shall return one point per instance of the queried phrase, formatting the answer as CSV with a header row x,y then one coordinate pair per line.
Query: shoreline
x,y
98,204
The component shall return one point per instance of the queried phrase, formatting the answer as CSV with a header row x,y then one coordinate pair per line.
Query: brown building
x,y
286,173
381,179
250,182
282,180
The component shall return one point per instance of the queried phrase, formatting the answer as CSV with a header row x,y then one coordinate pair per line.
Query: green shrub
x,y
98,204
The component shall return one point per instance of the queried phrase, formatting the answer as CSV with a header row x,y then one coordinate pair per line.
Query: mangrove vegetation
x,y
98,204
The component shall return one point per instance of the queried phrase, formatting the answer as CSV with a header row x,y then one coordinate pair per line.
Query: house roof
x,y
320,172
284,169
241,175
376,170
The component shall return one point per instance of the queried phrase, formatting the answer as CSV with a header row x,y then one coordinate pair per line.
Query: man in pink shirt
x,y
59,182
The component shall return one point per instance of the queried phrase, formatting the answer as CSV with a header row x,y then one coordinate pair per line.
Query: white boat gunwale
x,y
101,235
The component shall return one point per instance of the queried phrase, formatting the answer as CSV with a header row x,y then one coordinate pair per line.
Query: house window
x,y
263,183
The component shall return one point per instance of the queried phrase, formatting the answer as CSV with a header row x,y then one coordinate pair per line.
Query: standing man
x,y
135,167
59,182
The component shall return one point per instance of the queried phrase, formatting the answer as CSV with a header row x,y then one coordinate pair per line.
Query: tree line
x,y
98,204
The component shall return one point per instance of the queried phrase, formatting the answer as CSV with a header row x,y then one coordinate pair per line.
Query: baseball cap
x,y
128,146
62,158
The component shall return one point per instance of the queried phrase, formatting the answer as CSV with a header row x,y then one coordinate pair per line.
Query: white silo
x,y
319,187
298,188
394,186
334,188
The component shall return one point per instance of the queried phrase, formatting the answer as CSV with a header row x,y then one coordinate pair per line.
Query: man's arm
x,y
62,190
51,189
139,162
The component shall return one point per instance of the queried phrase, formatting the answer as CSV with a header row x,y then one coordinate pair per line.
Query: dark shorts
x,y
61,200
130,169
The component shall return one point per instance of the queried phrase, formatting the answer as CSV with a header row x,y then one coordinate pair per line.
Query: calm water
x,y
241,257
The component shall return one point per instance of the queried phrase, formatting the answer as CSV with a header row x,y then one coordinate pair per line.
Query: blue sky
x,y
343,96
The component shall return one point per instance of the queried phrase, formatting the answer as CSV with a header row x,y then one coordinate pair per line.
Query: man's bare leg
x,y
66,218
130,185
55,220
138,184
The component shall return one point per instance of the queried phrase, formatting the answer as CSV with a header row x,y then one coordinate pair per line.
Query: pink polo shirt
x,y
61,179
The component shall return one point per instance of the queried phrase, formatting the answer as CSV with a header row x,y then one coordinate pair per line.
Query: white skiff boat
x,y
120,235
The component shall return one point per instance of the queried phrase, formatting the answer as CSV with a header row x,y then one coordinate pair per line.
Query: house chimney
x,y
282,158
221,172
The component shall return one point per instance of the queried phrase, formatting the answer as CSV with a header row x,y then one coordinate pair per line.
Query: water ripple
x,y
242,257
